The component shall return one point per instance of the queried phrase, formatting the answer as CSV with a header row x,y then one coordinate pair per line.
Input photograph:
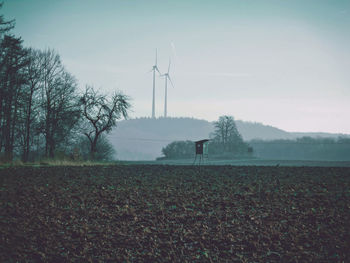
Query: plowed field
x,y
155,213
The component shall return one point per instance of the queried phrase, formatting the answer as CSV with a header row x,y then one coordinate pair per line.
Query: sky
x,y
280,63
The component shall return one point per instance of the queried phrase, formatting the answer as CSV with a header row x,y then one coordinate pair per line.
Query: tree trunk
x,y
14,120
1,119
47,128
51,142
7,129
93,150
27,127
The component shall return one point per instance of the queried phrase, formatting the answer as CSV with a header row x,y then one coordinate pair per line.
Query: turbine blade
x,y
169,66
156,57
170,81
157,69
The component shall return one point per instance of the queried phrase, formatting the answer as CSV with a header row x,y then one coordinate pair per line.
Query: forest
x,y
43,115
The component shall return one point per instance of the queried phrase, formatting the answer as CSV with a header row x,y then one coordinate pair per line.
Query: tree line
x,y
42,113
225,142
304,148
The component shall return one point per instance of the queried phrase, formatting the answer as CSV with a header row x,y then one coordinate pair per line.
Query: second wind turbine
x,y
154,69
166,77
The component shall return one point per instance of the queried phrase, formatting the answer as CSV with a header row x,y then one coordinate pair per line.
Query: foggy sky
x,y
282,63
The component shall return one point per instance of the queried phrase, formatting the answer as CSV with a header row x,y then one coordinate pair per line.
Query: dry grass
x,y
54,162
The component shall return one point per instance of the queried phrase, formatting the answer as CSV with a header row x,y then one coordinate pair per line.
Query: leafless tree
x,y
30,100
226,133
101,114
59,101
13,59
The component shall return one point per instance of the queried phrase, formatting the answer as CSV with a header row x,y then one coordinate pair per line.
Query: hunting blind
x,y
201,150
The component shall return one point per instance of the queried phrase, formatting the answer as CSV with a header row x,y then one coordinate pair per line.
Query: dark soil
x,y
150,213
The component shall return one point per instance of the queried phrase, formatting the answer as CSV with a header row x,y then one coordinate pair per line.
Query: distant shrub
x,y
179,149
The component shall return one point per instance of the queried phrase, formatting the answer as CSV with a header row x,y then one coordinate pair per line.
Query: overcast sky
x,y
282,63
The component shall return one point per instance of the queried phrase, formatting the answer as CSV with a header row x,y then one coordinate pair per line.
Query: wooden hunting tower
x,y
201,150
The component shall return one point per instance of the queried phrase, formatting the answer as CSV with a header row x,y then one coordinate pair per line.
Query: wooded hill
x,y
144,138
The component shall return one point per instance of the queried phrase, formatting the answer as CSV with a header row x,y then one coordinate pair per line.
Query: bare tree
x,y
13,58
60,102
225,129
52,69
30,100
38,99
227,135
102,114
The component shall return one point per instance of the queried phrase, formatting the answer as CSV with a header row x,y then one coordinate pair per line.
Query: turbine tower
x,y
166,77
154,69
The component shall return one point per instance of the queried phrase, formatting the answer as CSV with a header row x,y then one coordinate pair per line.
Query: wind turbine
x,y
154,69
167,77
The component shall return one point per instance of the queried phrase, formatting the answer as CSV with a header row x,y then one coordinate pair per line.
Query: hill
x,y
144,138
